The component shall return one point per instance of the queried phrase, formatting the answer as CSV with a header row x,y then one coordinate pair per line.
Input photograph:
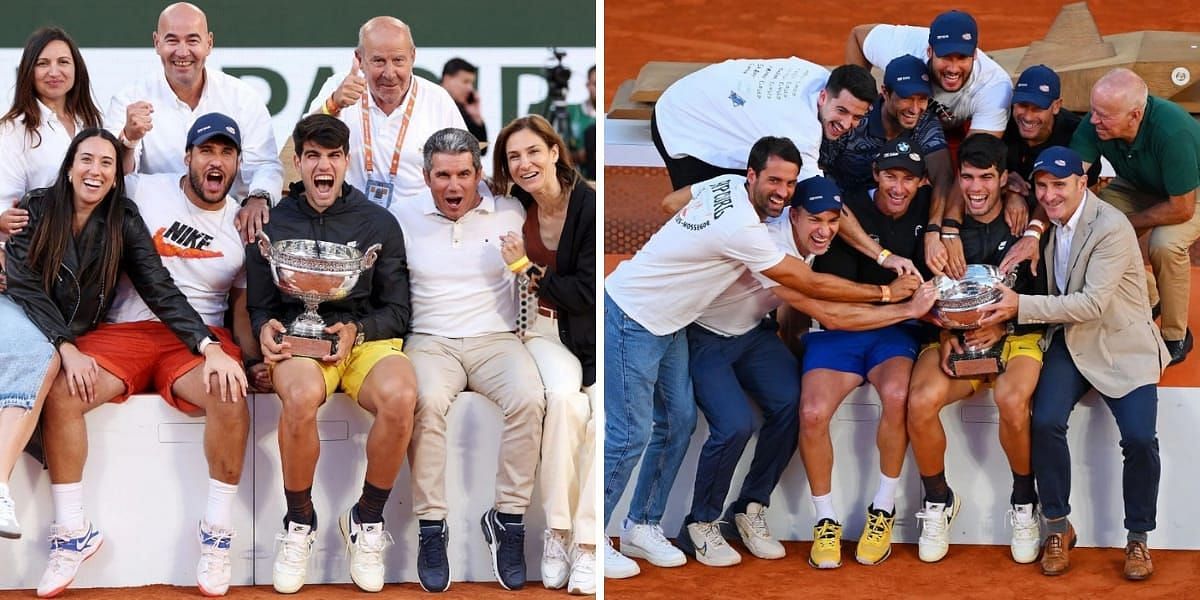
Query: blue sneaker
x,y
68,550
433,567
507,543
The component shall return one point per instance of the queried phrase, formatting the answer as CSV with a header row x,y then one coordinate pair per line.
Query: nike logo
x,y
703,549
78,544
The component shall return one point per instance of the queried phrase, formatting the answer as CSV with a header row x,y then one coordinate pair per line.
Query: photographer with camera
x,y
458,78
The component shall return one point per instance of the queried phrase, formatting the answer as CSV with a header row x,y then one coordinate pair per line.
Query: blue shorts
x,y
858,351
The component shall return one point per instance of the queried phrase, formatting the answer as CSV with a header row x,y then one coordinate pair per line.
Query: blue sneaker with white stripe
x,y
68,550
215,569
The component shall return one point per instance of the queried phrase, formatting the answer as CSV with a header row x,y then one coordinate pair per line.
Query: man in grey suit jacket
x,y
1101,336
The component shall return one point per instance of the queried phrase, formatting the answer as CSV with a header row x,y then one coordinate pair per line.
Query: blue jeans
x,y
722,367
25,356
1059,388
647,398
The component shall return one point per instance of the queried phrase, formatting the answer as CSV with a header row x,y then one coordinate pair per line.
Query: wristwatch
x,y
362,334
257,194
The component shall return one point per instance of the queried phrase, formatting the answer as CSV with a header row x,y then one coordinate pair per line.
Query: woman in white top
x,y
52,101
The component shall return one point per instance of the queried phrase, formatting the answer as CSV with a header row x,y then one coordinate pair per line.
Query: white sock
x,y
4,489
218,513
68,505
823,506
885,497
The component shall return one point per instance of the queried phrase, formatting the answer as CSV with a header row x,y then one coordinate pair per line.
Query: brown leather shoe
x,y
1137,561
1055,551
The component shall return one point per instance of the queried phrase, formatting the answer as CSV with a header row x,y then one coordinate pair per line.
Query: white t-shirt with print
x,y
696,255
984,99
717,113
201,249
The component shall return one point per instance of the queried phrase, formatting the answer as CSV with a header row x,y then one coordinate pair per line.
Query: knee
x,y
1045,424
1139,442
1161,247
893,396
397,406
1014,412
736,431
529,403
922,410
300,402
59,402
230,417
815,414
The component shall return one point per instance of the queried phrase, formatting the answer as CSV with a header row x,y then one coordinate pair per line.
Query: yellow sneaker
x,y
826,550
875,545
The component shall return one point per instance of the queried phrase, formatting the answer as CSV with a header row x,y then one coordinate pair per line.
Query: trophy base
x,y
317,348
976,367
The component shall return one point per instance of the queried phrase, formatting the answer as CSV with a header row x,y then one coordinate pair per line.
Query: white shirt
x,y
24,166
1063,234
201,249
717,113
162,150
432,111
694,257
985,98
461,286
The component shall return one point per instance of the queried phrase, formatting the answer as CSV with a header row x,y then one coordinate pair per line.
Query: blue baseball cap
x,y
1058,161
1039,85
212,125
901,153
817,194
953,32
906,76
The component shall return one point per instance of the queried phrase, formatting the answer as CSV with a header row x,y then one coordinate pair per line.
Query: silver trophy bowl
x,y
960,300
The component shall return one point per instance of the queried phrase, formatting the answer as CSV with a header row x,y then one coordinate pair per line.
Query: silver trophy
x,y
960,306
314,272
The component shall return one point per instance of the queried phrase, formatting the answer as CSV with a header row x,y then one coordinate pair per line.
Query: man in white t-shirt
x,y
700,252
191,220
390,112
153,115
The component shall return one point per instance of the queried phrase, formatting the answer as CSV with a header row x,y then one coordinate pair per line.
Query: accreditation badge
x,y
379,192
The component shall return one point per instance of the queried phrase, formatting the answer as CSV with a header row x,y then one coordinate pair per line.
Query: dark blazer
x,y
572,285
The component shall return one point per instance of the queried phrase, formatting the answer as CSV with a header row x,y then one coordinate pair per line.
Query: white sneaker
x,y
68,550
1026,533
642,540
9,528
935,519
293,548
556,565
365,543
617,565
709,546
583,572
214,570
752,526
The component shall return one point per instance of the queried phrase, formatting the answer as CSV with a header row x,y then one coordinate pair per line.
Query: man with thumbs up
x,y
390,112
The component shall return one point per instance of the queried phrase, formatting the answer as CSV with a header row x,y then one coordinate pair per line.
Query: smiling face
x,y
183,42
771,189
1060,197
531,162
93,172
1113,117
1035,124
950,72
897,188
814,233
54,72
387,58
906,111
454,182
322,170
212,167
841,113
981,190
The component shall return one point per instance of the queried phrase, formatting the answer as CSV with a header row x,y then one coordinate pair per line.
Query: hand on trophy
x,y
949,345
1001,310
346,333
922,301
984,337
273,352
903,286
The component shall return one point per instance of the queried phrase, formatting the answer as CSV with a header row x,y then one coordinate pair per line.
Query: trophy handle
x,y
370,255
264,245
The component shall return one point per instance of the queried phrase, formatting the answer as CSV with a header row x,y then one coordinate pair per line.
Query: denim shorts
x,y
25,355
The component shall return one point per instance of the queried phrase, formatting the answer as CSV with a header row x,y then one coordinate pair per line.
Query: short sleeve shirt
x,y
849,159
1164,158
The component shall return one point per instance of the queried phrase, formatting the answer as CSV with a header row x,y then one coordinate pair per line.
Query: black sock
x,y
936,488
370,504
509,518
1023,491
429,523
300,507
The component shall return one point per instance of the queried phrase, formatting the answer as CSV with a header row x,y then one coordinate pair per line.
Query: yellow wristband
x,y
331,108
519,264
885,294
883,255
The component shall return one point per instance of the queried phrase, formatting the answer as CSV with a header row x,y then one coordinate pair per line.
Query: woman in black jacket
x,y
557,256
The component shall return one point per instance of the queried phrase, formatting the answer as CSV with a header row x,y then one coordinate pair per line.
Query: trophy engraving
x,y
959,307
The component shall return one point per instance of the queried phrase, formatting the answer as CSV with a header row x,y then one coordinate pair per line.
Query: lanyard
x,y
366,119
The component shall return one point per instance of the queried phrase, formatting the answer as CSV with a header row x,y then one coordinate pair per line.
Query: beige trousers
x,y
498,367
1170,281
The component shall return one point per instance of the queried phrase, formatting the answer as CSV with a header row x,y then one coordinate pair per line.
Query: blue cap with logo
x,y
953,32
817,194
212,125
901,153
1038,85
1058,161
906,76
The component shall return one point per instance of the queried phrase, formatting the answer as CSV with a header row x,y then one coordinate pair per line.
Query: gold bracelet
x,y
519,264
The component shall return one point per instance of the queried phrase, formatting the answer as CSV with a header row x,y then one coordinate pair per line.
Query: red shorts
x,y
148,352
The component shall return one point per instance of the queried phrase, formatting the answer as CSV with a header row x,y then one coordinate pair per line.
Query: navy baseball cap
x,y
901,153
953,32
906,76
1058,161
212,125
1039,85
817,194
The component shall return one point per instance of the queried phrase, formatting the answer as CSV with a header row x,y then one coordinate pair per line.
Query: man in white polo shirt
x,y
153,114
390,111
464,313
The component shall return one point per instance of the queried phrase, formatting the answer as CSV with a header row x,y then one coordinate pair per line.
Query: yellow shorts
x,y
1014,345
352,371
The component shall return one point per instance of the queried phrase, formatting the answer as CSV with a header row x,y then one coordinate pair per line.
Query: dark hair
x,y
769,146
322,130
54,231
857,79
983,150
591,70
79,103
455,65
564,167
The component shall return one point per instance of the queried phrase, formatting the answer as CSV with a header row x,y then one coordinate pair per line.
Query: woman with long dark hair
x,y
83,234
556,254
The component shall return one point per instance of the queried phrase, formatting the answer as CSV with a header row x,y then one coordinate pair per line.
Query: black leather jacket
x,y
75,304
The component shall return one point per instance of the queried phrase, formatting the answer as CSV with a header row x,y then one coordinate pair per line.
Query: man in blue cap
x,y
1101,337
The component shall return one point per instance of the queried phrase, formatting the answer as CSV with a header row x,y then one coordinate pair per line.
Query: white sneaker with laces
x,y
293,548
617,565
556,565
9,528
583,572
710,546
68,550
215,570
1026,533
365,543
752,526
935,519
644,540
